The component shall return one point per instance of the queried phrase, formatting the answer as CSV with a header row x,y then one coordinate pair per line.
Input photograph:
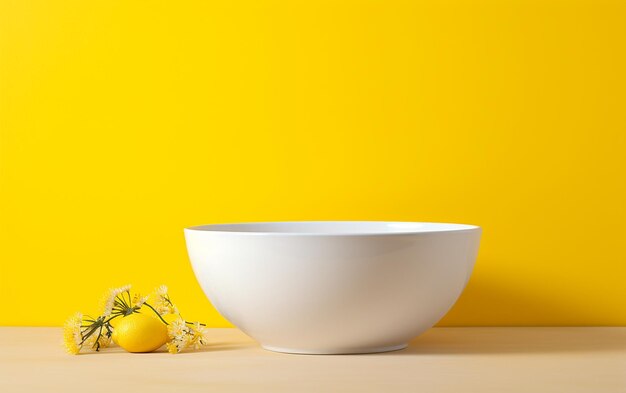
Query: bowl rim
x,y
401,228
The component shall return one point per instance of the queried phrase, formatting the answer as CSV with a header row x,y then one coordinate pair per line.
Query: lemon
x,y
140,333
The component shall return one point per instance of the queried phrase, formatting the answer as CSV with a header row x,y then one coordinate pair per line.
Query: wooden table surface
x,y
525,360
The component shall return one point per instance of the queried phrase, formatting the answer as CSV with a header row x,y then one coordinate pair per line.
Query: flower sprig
x,y
162,302
83,331
184,335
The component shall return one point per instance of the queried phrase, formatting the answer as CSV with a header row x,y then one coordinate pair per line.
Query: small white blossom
x,y
109,301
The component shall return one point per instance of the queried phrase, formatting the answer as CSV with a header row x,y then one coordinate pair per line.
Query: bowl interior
x,y
333,227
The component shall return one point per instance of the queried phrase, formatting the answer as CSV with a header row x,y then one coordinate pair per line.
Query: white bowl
x,y
331,287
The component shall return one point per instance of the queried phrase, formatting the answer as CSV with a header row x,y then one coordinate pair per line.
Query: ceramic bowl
x,y
333,287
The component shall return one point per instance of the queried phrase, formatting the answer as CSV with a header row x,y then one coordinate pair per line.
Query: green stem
x,y
98,339
193,323
86,336
157,313
113,317
120,298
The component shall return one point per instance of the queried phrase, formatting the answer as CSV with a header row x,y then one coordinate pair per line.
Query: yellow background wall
x,y
122,122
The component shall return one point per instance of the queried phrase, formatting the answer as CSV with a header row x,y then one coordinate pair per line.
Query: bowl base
x,y
335,352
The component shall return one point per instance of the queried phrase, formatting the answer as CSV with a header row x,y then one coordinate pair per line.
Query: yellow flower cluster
x,y
162,302
183,335
72,337
82,331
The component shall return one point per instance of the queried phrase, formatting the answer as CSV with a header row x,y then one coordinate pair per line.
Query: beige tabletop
x,y
441,360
